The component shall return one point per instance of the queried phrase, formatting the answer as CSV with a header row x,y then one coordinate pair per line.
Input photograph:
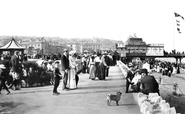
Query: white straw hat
x,y
72,53
2,66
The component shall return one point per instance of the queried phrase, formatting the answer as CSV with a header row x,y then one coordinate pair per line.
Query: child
x,y
57,77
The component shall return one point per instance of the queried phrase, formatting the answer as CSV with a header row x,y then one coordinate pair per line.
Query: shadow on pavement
x,y
66,92
115,79
101,87
127,104
16,108
5,107
73,91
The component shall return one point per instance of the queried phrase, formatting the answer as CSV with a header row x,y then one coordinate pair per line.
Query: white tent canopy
x,y
12,44
11,47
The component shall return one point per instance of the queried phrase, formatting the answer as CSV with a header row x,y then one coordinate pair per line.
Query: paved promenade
x,y
89,98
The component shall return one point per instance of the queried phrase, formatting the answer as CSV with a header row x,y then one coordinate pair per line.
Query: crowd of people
x,y
96,65
17,71
70,64
139,75
167,68
139,80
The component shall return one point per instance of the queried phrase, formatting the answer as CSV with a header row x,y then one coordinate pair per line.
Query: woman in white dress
x,y
72,72
136,80
92,68
174,70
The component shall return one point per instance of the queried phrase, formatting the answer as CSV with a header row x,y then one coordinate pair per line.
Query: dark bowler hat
x,y
144,71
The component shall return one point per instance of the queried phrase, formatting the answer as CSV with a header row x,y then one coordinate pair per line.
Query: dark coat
x,y
57,72
107,60
64,63
130,75
15,63
149,85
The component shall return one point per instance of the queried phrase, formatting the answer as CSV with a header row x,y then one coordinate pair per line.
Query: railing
x,y
123,68
148,103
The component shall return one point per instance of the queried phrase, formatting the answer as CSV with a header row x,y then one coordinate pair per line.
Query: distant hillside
x,y
103,41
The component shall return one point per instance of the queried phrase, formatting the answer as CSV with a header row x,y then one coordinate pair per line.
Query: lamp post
x,y
42,49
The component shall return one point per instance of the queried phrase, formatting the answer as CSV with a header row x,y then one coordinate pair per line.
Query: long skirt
x,y
97,69
174,71
92,72
71,84
102,72
84,67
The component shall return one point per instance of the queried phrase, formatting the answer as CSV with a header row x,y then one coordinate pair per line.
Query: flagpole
x,y
178,28
173,33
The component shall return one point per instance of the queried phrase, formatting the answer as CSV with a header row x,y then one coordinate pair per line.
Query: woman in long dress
x,y
103,67
92,68
97,61
72,72
174,70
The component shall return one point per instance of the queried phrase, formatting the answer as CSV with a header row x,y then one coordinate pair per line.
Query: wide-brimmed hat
x,y
50,61
45,62
2,66
65,50
144,71
130,64
105,53
57,62
72,53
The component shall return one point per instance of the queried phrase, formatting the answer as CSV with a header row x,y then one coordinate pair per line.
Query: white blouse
x,y
97,59
72,62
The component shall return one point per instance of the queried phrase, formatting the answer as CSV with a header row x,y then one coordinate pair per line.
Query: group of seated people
x,y
139,80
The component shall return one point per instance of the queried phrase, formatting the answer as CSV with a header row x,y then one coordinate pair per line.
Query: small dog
x,y
116,98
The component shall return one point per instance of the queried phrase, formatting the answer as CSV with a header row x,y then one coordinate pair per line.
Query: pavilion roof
x,y
12,44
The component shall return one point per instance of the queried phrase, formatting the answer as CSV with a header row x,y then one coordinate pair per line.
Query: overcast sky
x,y
152,20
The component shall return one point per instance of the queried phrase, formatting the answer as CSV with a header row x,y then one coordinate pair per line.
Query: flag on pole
x,y
179,18
177,15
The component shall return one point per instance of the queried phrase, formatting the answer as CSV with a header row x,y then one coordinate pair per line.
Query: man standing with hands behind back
x,y
65,67
16,69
